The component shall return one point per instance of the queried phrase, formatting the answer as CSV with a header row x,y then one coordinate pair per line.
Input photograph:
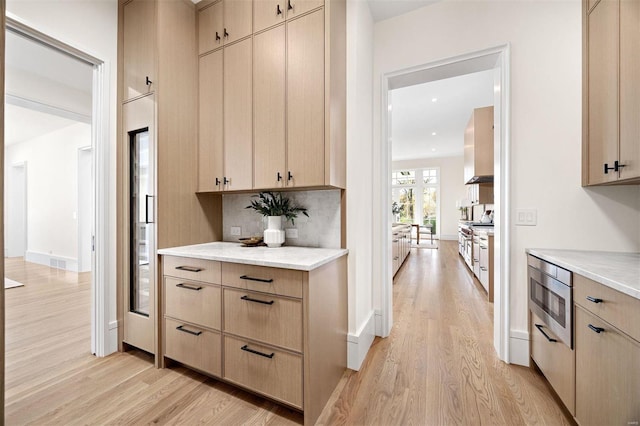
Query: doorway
x,y
497,60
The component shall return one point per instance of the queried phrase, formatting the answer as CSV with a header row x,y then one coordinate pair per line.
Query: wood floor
x,y
438,366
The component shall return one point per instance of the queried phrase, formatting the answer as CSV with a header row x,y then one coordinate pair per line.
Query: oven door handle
x,y
539,327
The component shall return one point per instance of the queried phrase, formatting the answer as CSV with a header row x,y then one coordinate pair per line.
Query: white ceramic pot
x,y
274,234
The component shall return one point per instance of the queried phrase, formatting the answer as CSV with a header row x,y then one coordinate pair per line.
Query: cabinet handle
x,y
395,258
617,166
596,329
184,330
188,287
147,81
290,6
225,34
289,175
279,176
607,168
247,349
594,299
394,241
482,248
225,181
248,299
539,327
189,268
217,36
482,268
278,11
476,260
261,280
217,182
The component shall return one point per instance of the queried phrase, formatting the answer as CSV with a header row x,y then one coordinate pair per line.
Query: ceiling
x,y
22,124
415,116
385,9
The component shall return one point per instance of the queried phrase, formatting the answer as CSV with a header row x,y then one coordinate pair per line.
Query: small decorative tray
x,y
252,242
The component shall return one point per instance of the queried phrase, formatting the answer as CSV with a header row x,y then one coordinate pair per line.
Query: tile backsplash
x,y
320,229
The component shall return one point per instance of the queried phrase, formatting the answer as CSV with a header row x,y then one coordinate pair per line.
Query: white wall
x,y
546,105
452,189
91,26
52,190
359,179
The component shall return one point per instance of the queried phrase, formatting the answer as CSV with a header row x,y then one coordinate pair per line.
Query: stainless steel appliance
x,y
551,298
465,243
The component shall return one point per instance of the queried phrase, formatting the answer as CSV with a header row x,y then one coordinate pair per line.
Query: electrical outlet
x,y
236,231
526,217
291,233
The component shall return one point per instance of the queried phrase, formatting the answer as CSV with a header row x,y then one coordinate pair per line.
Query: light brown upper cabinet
x,y
611,92
138,29
478,146
211,135
267,13
223,22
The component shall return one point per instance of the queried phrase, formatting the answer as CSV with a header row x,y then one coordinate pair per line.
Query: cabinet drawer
x,y
271,372
193,346
556,360
193,302
266,318
192,269
286,282
612,306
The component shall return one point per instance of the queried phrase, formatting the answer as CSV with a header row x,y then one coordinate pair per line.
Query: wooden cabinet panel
x,y
193,302
629,88
603,90
192,269
210,122
210,28
194,346
266,318
238,122
139,48
305,100
272,372
607,371
285,282
238,20
269,108
556,361
267,13
298,7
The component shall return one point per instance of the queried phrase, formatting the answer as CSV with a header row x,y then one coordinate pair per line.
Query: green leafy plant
x,y
270,204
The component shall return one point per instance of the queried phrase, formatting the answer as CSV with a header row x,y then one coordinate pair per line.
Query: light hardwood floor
x,y
437,367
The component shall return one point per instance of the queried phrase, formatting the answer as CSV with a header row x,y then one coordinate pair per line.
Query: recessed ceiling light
x,y
433,134
434,100
433,149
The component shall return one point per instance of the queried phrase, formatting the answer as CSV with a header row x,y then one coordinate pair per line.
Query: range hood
x,y
478,147
479,179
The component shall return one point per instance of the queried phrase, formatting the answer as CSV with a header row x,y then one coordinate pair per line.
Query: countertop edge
x,y
621,287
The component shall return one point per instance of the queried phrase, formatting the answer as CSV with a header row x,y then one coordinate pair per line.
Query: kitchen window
x,y
416,196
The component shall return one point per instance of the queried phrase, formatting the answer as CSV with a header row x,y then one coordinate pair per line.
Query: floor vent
x,y
58,263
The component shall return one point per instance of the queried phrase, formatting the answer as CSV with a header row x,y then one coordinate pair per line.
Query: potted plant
x,y
274,206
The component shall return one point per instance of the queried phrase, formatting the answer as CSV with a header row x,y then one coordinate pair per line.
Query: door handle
x,y
146,209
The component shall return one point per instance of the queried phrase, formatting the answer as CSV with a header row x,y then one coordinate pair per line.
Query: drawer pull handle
x,y
594,299
247,349
596,329
188,287
482,268
539,327
248,299
262,280
184,330
189,268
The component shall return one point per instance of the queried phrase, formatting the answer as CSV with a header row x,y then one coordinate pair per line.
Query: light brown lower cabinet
x,y
280,333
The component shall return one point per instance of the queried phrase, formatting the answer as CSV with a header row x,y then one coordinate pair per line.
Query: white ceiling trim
x,y
46,109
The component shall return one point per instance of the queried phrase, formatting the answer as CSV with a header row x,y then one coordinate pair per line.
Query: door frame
x,y
100,345
498,59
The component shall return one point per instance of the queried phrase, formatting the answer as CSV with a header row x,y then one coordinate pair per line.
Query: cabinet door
x,y
267,13
269,108
607,372
139,47
629,88
305,100
603,90
210,28
238,19
210,135
238,124
298,7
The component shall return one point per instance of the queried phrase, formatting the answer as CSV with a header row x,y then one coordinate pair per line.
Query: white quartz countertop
x,y
299,258
620,271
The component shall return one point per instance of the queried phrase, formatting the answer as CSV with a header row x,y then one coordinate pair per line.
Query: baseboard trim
x,y
52,260
358,344
519,347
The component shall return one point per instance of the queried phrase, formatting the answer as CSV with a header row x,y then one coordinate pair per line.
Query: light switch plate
x,y
291,233
526,217
236,231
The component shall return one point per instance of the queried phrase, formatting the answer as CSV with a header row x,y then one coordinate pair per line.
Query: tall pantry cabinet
x,y
157,205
